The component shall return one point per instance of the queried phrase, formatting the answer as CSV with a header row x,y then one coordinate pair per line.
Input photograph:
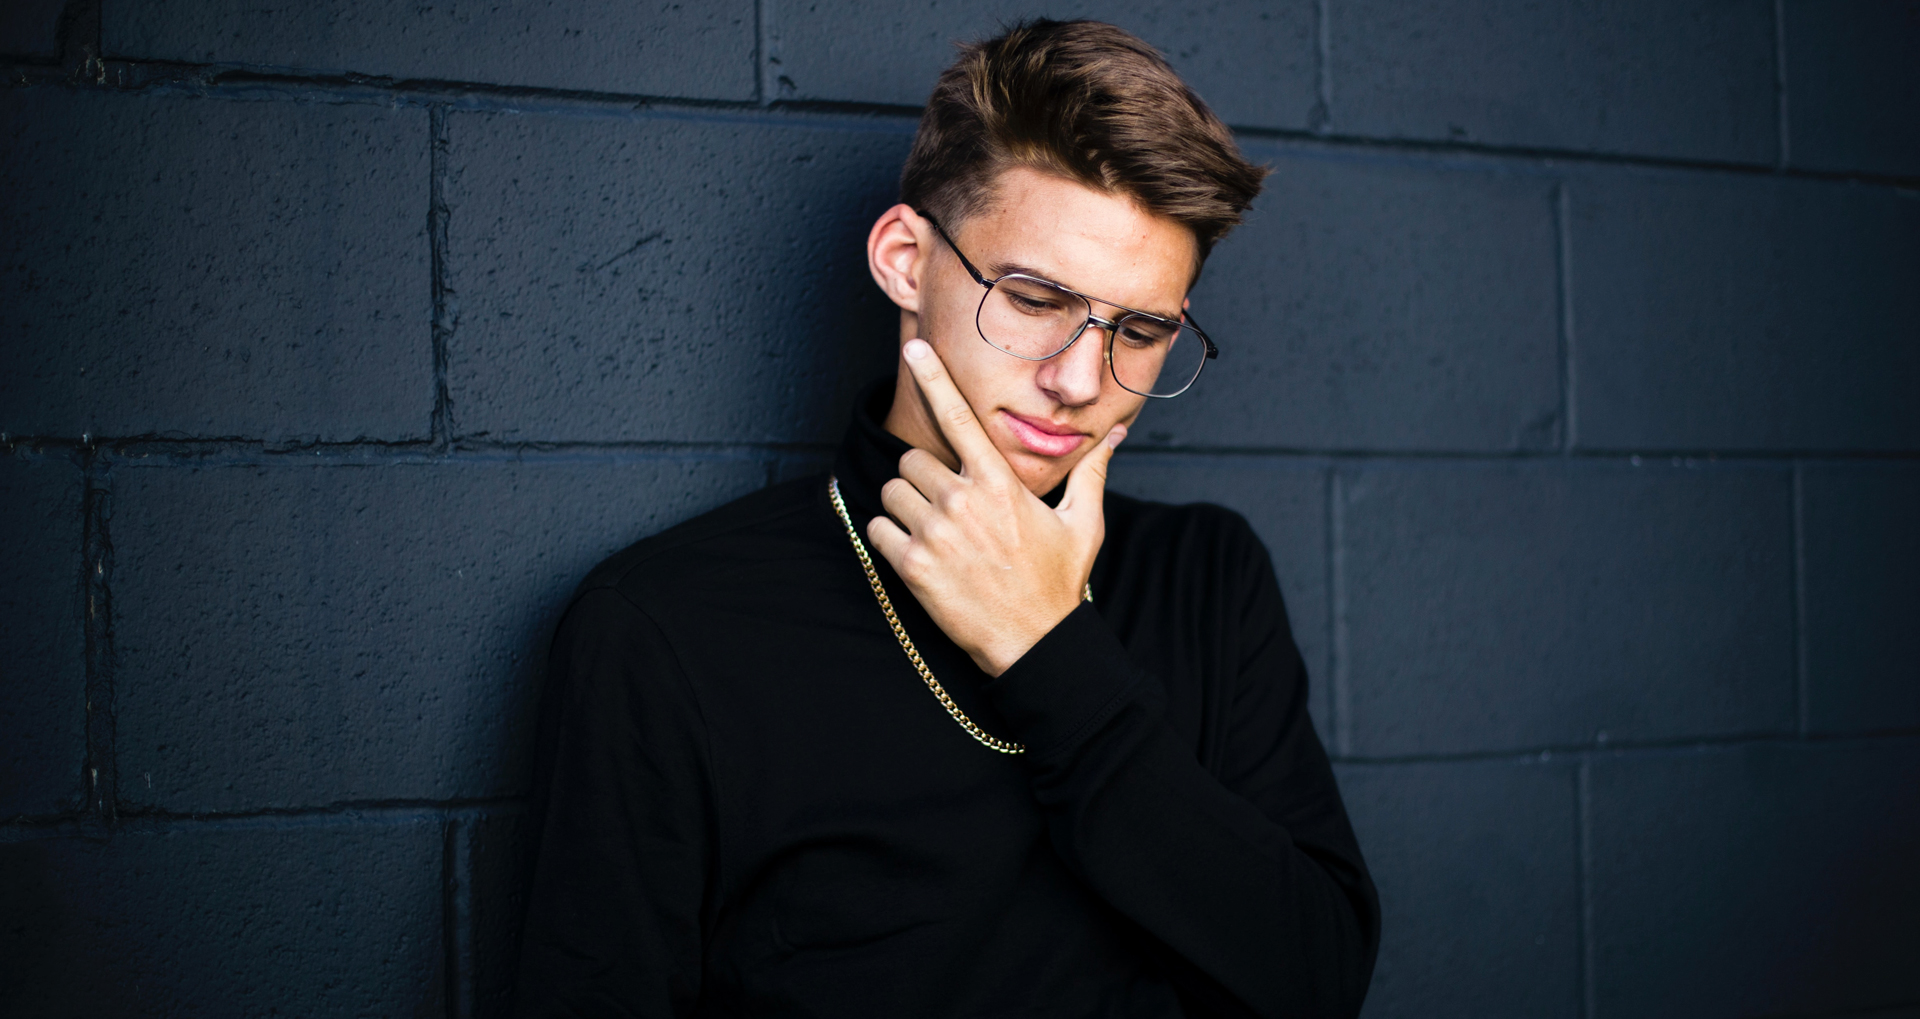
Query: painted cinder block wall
x,y
1570,371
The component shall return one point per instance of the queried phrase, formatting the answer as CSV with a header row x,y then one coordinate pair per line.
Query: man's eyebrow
x,y
998,269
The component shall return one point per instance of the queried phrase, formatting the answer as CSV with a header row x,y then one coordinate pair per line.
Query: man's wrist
x,y
1076,674
1002,654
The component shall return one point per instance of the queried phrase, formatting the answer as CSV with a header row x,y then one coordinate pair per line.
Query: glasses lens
x,y
1154,357
1028,318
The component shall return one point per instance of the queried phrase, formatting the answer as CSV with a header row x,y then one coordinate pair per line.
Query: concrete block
x,y
1861,548
665,279
1286,502
43,675
1494,607
193,267
1744,313
1478,869
1254,63
319,917
492,849
1692,80
31,28
1853,89
1376,303
702,51
1766,879
305,635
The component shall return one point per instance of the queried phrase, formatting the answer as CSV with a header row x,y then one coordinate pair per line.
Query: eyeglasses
x,y
1034,319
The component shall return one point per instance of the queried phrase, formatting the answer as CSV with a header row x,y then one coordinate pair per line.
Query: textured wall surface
x,y
1570,371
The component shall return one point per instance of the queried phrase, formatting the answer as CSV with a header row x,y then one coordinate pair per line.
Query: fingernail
x,y
1117,436
916,349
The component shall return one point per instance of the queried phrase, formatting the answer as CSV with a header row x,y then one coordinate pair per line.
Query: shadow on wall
x,y
325,660
122,926
294,632
360,633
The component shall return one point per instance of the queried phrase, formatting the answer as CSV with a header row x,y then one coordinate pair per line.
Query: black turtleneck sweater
x,y
749,803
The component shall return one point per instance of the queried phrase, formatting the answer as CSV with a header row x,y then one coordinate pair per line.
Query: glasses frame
x,y
1106,324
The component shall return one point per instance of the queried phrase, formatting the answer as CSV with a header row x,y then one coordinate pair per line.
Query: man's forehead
x,y
1099,243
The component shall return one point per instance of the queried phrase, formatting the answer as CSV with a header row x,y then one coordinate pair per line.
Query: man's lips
x,y
1041,437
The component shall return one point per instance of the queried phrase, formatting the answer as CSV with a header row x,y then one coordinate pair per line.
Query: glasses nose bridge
x,y
1105,325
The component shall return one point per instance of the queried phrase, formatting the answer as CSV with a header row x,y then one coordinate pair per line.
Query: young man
x,y
952,731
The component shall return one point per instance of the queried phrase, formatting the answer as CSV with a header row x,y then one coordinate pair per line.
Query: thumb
x,y
1087,484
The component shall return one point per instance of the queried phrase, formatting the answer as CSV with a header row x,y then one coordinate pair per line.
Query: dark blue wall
x,y
1571,371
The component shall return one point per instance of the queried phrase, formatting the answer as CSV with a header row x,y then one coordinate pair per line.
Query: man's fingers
x,y
905,503
1087,484
951,413
925,472
888,539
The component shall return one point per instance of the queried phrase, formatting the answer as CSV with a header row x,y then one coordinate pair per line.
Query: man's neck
x,y
911,420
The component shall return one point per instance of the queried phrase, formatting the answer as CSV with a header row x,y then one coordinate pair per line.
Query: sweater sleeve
x,y
614,910
1250,878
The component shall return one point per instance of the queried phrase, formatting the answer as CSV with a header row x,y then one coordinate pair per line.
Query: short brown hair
x,y
1086,101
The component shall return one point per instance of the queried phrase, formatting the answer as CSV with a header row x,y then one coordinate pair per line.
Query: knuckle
x,y
915,560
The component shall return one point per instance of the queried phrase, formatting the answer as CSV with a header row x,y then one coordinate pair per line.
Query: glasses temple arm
x,y
942,231
1212,351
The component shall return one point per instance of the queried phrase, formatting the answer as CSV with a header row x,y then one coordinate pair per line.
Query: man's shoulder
x,y
1182,526
739,531
1196,546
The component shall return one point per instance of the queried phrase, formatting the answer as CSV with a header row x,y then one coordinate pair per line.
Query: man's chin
x,y
1042,474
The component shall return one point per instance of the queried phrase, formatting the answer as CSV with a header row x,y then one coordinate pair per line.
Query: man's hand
x,y
995,567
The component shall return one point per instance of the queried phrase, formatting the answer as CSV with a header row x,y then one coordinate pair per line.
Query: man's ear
x,y
896,254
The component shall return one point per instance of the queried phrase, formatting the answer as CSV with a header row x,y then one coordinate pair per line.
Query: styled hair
x,y
1086,101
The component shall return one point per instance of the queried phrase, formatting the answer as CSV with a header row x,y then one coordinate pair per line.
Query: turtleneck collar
x,y
869,456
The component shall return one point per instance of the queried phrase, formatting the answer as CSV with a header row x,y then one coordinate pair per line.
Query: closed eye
x,y
1140,333
1031,305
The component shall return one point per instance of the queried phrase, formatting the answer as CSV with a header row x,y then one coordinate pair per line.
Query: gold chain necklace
x,y
906,643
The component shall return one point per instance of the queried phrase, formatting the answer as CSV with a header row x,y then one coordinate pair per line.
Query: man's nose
x,y
1075,376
